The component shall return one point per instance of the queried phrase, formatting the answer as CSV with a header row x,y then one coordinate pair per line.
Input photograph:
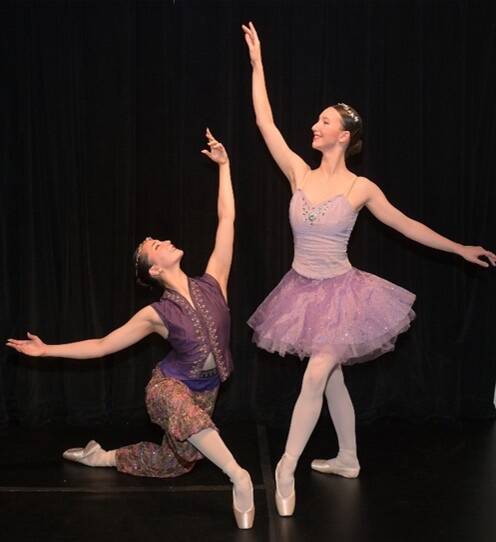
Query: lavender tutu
x,y
355,316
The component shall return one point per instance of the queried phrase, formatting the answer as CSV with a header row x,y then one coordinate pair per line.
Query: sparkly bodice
x,y
321,233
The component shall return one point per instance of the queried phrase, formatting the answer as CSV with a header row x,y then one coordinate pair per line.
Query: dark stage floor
x,y
431,482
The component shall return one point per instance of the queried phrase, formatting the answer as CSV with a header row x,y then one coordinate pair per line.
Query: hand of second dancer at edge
x,y
474,255
217,152
251,38
32,346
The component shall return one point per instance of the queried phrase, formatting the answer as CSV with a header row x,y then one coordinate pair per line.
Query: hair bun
x,y
356,148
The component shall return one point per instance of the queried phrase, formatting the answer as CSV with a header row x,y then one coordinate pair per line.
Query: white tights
x,y
322,375
209,443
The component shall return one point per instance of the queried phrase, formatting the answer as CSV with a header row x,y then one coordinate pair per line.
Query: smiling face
x,y
154,256
328,131
161,254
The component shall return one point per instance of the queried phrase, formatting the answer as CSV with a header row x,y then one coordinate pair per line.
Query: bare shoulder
x,y
367,189
360,192
151,317
149,314
366,185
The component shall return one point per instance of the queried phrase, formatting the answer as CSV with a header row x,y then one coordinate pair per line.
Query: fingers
x,y
250,33
20,343
477,260
216,151
253,31
210,136
212,142
490,256
247,31
15,346
214,147
15,342
479,255
483,253
249,42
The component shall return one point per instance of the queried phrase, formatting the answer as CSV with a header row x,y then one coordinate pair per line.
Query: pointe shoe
x,y
333,466
244,520
92,455
76,454
285,505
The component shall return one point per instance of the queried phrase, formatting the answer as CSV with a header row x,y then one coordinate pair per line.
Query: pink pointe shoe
x,y
334,466
77,454
244,520
285,505
92,455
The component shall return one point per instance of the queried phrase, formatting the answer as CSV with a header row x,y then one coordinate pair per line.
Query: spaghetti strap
x,y
351,187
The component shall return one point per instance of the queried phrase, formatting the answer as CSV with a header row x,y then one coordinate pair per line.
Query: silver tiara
x,y
350,112
138,254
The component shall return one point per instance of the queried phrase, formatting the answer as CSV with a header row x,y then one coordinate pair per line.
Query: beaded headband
x,y
350,112
138,254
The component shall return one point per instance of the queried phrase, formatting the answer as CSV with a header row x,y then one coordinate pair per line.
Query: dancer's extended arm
x,y
143,323
290,163
219,263
382,209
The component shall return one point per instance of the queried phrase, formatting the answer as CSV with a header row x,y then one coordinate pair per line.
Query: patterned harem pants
x,y
180,412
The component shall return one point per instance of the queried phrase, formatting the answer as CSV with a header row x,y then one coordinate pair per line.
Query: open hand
x,y
32,346
217,153
474,255
251,38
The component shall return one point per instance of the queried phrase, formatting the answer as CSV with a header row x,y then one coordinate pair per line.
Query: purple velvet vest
x,y
193,334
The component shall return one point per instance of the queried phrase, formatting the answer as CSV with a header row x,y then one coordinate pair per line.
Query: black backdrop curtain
x,y
104,106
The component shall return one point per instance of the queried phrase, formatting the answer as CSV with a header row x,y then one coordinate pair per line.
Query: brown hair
x,y
142,269
352,122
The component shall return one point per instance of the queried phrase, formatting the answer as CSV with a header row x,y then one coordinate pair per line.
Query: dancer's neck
x,y
176,279
333,163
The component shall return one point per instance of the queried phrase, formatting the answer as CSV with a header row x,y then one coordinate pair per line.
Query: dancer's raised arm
x,y
219,264
290,163
180,396
143,323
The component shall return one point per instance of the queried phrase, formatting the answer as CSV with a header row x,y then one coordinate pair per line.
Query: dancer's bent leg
x,y
180,412
210,444
305,415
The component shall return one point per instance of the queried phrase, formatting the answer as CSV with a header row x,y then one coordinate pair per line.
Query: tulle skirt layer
x,y
354,317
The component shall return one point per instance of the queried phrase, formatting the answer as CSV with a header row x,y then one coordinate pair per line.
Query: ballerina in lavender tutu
x,y
324,308
193,316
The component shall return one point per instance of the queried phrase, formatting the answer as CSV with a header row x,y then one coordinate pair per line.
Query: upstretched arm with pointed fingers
x,y
219,263
289,162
